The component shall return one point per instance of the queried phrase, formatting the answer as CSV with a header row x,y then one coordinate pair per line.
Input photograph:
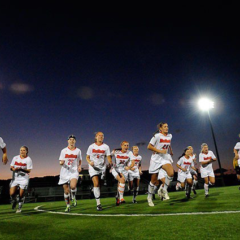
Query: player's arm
x,y
89,160
109,158
170,150
236,153
140,168
129,167
61,162
25,170
80,165
183,169
4,157
152,148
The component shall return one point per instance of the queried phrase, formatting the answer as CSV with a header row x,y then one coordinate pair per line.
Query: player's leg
x,y
66,196
73,186
121,186
21,198
136,189
189,186
206,186
96,190
212,180
13,196
170,173
151,188
195,181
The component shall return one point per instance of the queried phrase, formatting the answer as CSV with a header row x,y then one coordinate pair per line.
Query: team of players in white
x,y
127,167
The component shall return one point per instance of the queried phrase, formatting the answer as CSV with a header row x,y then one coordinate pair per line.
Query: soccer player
x,y
192,171
185,164
71,160
120,170
21,166
4,150
96,154
135,172
236,160
159,145
206,158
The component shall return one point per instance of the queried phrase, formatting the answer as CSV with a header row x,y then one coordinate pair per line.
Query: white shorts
x,y
133,175
67,178
124,172
23,184
183,176
162,174
94,171
206,173
156,165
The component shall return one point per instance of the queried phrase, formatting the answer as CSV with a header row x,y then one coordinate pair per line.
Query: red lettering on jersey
x,y
165,141
207,158
187,163
70,156
123,157
98,151
136,160
20,164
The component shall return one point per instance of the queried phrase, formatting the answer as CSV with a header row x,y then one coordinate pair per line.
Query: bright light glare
x,y
205,104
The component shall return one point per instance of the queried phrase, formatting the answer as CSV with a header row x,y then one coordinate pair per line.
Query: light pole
x,y
205,105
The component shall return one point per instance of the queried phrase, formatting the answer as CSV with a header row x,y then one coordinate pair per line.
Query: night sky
x,y
74,71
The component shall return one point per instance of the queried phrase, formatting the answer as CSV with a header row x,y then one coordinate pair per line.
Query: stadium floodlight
x,y
205,104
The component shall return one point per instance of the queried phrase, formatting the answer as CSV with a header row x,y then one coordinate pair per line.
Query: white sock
x,y
121,188
167,182
67,199
135,193
150,190
73,192
96,191
206,188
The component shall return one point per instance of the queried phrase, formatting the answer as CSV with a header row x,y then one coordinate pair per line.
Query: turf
x,y
31,224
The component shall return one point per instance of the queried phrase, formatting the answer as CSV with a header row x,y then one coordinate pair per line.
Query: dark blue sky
x,y
64,72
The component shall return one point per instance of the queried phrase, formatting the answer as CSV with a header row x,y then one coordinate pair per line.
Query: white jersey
x,y
71,158
161,142
185,163
237,147
206,157
2,143
23,163
98,153
122,159
137,161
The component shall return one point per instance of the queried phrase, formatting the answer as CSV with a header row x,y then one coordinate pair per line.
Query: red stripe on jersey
x,y
165,141
20,164
136,160
70,156
187,163
207,158
123,157
98,151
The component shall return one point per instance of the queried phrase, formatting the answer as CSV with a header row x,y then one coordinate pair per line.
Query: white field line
x,y
135,215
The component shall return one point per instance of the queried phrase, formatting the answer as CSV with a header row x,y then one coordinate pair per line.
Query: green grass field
x,y
31,224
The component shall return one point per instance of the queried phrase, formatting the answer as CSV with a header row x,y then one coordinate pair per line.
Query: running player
x,y
4,150
192,171
185,164
71,160
21,166
120,170
135,172
206,157
96,154
236,160
159,145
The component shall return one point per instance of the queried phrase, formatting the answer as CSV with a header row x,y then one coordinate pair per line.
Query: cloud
x,y
157,99
21,88
85,93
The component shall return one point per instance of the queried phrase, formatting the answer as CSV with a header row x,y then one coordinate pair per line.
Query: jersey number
x,y
165,147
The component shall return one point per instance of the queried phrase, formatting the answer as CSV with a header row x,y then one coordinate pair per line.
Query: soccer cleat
x,y
14,204
117,201
150,202
134,201
74,202
67,209
165,195
206,195
194,191
160,193
122,201
19,210
99,207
